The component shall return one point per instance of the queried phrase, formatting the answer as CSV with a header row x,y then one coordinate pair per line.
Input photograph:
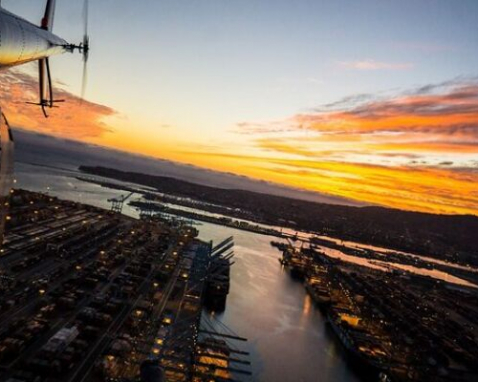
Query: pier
x,y
92,295
392,325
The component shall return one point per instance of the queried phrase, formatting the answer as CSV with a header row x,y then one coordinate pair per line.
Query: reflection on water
x,y
388,266
385,251
63,184
287,336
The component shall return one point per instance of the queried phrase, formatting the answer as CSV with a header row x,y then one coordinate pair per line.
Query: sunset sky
x,y
372,100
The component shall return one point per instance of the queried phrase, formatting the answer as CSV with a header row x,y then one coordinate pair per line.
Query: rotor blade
x,y
47,21
86,48
85,17
84,81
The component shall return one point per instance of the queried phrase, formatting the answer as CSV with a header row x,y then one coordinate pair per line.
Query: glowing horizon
x,y
337,98
373,152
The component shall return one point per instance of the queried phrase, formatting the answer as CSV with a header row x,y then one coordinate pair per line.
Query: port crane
x,y
117,203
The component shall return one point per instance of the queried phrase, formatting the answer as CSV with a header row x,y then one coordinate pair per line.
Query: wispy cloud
x,y
374,65
75,118
449,112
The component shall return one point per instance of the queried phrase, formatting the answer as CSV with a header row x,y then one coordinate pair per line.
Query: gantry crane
x,y
117,203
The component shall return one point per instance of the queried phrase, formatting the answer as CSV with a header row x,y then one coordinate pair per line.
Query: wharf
x,y
129,292
393,326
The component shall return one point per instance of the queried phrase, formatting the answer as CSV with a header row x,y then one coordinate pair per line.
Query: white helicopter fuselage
x,y
22,42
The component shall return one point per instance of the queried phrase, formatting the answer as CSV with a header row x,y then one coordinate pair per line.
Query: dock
x,y
92,295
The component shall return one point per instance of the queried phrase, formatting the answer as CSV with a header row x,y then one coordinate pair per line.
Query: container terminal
x,y
391,325
92,295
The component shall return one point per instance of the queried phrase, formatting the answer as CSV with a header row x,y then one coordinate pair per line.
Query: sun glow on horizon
x,y
417,152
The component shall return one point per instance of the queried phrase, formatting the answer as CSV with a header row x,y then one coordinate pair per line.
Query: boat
x,y
363,353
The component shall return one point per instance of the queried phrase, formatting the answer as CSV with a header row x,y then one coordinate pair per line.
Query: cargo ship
x,y
218,284
363,352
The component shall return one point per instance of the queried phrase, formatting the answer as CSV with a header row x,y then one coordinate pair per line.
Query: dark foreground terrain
x,y
90,295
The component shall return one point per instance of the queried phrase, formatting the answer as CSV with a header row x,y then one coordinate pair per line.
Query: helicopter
x,y
22,42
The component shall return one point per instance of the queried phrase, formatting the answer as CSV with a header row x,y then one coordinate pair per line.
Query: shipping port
x,y
392,325
92,295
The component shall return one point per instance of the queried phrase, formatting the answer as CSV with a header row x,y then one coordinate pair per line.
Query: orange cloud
x,y
417,151
422,189
75,119
454,113
434,147
428,189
